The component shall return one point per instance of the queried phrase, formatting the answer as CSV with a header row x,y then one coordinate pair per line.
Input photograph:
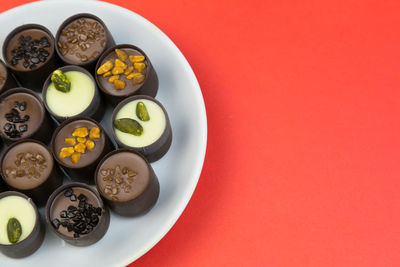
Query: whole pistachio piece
x,y
14,230
141,111
61,81
130,126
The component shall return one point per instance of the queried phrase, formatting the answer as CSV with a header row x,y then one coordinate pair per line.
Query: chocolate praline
x,y
70,203
29,51
84,169
152,150
29,112
33,241
85,35
28,166
127,182
94,109
7,80
148,87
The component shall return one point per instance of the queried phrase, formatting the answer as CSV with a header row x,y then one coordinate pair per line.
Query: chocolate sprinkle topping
x,y
82,219
14,117
31,51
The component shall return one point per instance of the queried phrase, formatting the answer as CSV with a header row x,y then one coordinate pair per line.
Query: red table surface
x,y
302,164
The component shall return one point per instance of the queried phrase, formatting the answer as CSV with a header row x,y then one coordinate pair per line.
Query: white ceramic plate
x,y
129,238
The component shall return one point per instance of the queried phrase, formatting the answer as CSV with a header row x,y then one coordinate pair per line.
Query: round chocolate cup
x,y
156,150
46,125
96,108
32,242
85,173
34,78
98,232
41,193
10,81
89,65
142,203
149,86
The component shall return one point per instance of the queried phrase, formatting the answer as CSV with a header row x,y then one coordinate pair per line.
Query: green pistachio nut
x,y
130,126
14,230
60,81
141,111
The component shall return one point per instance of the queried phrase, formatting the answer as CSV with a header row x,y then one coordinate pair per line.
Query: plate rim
x,y
198,165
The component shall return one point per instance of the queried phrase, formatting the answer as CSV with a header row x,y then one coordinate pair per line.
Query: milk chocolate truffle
x,y
76,213
127,182
141,123
29,52
21,231
125,70
22,115
7,80
81,98
81,39
78,145
28,166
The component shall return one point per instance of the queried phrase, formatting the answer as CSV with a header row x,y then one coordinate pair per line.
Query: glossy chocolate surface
x,y
86,158
149,86
34,109
62,203
39,63
123,160
145,187
85,37
34,35
130,88
104,40
12,161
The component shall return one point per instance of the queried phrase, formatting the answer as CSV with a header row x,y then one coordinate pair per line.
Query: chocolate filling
x,y
75,211
27,165
82,40
20,115
86,158
127,172
130,88
29,49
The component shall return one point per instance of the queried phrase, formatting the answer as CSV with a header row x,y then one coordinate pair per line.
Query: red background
x,y
303,109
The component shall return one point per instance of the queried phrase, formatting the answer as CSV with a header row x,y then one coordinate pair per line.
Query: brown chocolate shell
x,y
32,78
149,86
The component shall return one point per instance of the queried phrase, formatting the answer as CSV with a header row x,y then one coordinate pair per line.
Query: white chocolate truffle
x,y
76,100
152,129
19,208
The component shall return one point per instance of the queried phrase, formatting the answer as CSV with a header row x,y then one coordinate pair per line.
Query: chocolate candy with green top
x,y
141,123
21,232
